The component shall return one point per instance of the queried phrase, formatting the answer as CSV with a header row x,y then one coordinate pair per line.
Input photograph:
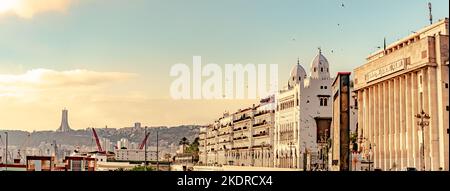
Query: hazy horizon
x,y
108,61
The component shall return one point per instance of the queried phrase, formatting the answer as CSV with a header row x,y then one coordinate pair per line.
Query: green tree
x,y
141,168
184,141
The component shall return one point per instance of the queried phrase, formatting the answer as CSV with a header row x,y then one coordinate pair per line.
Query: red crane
x,y
99,147
141,146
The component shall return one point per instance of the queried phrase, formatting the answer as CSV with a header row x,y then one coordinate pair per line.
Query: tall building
x,y
303,109
407,77
64,127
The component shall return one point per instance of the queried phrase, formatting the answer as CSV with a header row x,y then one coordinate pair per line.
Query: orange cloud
x,y
28,8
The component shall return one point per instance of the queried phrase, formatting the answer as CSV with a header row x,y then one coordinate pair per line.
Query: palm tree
x,y
184,141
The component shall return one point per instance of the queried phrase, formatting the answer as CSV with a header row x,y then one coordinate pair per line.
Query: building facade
x,y
134,155
397,83
243,138
302,109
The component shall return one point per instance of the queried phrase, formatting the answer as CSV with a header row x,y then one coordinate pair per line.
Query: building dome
x,y
298,74
320,67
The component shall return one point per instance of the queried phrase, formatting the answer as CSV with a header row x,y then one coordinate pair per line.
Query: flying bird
x,y
342,5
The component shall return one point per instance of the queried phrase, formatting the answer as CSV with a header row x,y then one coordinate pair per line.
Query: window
x,y
314,69
325,87
446,85
321,102
327,70
420,79
321,87
299,78
325,102
321,69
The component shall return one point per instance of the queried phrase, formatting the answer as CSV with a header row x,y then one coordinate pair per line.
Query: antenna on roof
x,y
431,15
384,44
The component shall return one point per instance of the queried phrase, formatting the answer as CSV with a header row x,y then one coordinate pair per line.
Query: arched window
x,y
325,100
321,102
314,69
321,69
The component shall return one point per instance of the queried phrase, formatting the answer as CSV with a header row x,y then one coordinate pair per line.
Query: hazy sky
x,y
108,61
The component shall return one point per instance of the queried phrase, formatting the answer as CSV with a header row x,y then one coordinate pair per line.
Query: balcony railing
x,y
240,138
238,129
242,119
261,134
259,124
263,112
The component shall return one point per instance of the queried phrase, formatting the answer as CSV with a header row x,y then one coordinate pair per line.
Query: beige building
x,y
134,155
243,138
303,116
394,85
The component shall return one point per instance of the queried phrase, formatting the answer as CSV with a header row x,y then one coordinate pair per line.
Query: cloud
x,y
28,8
52,78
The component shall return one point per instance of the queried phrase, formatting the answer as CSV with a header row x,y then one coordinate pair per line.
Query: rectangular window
x,y
424,54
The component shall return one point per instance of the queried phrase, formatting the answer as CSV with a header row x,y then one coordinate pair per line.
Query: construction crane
x,y
141,146
99,147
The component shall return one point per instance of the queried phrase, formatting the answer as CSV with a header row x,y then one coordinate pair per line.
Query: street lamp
x,y
370,153
424,117
263,144
6,151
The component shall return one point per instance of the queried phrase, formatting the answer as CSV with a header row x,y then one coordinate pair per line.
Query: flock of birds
x,y
338,24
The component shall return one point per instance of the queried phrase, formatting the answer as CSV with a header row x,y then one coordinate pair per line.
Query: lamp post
x,y
370,153
263,144
145,148
423,117
6,151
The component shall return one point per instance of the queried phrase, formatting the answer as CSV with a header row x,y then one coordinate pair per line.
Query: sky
x,y
108,61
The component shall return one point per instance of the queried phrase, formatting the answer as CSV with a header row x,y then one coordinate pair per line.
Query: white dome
x,y
298,74
320,67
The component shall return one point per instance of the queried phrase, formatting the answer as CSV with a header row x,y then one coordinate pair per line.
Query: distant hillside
x,y
167,136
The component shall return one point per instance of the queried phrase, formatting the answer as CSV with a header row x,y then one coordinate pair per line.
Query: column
x,y
377,126
409,115
416,106
382,145
392,144
374,126
433,128
387,145
404,157
366,120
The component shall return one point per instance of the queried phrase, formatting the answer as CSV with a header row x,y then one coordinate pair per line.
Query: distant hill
x,y
167,136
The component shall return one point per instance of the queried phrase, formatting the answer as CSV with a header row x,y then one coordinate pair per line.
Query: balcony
x,y
262,113
243,118
223,134
261,134
240,138
260,124
239,129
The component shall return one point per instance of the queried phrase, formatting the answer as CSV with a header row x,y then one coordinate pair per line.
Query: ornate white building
x,y
305,103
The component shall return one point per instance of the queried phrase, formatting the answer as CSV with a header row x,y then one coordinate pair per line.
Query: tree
x,y
184,141
167,156
194,150
142,168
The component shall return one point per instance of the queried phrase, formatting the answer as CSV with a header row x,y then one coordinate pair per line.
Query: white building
x,y
305,103
134,155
